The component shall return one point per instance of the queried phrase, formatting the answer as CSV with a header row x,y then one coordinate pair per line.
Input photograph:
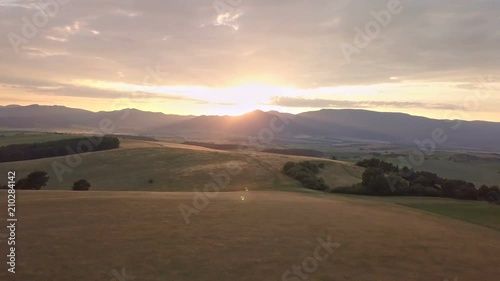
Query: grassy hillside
x,y
481,213
87,235
477,171
11,137
177,167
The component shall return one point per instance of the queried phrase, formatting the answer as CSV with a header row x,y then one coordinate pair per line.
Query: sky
x,y
438,59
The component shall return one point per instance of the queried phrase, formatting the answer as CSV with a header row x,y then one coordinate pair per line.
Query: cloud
x,y
18,4
454,41
67,90
326,103
280,42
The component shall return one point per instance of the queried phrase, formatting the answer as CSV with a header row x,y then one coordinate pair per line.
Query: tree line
x,y
218,146
39,179
306,173
295,152
385,179
21,152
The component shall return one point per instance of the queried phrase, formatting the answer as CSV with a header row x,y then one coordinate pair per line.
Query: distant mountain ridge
x,y
60,117
329,123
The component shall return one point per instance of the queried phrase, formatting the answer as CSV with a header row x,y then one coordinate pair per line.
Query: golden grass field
x,y
177,167
65,235
122,223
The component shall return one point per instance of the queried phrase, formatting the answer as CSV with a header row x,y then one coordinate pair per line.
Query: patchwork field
x,y
478,171
66,235
479,168
11,137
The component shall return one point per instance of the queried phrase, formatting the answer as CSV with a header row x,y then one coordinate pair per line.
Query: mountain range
x,y
397,128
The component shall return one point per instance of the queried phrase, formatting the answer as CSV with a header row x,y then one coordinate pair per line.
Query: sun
x,y
246,97
233,100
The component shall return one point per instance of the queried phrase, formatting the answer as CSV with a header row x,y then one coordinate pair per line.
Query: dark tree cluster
x,y
489,193
133,137
81,185
39,179
21,152
295,152
306,173
34,181
377,163
224,146
384,179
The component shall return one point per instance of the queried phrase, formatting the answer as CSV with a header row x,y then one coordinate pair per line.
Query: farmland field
x,y
481,168
263,225
85,236
481,213
11,137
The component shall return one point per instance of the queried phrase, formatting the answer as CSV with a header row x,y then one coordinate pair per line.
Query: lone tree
x,y
81,185
35,180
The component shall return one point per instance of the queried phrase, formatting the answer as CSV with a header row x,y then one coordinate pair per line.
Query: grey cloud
x,y
59,90
292,41
325,103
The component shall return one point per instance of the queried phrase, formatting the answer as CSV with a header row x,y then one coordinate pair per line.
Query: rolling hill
x,y
178,167
365,125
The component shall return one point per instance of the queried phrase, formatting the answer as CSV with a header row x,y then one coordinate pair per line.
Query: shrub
x,y
35,180
459,189
483,193
377,163
81,185
494,195
397,184
305,172
288,166
374,180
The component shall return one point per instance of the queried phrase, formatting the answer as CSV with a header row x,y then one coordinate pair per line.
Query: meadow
x,y
262,226
480,213
66,235
25,137
162,166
